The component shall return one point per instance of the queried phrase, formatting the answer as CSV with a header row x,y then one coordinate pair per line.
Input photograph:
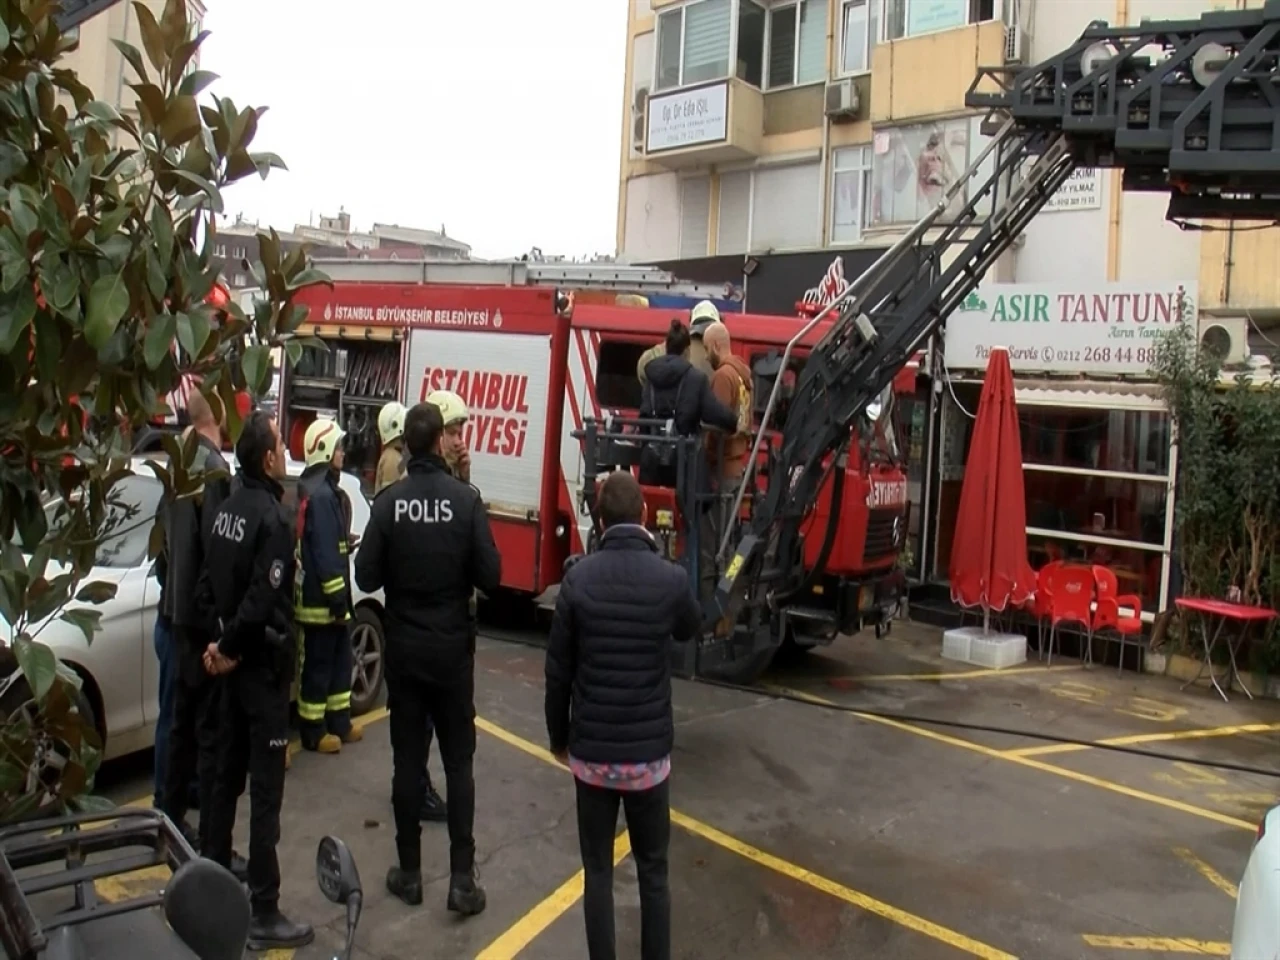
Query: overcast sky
x,y
499,119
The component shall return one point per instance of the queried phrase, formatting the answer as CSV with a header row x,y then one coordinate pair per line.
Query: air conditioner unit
x,y
842,99
1225,337
637,120
1015,44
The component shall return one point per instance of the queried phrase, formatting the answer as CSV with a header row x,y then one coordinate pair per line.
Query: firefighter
x,y
244,588
453,444
391,431
428,546
322,605
701,316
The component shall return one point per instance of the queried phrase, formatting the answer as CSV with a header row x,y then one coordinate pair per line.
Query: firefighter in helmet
x,y
453,411
703,315
391,432
322,603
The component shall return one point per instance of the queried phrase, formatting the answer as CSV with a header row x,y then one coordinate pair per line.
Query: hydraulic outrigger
x,y
1189,107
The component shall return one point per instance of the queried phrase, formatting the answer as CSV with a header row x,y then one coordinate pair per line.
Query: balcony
x,y
720,122
927,76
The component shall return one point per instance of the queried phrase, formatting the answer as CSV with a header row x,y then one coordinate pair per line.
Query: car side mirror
x,y
336,872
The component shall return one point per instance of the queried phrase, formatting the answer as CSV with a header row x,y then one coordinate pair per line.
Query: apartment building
x,y
385,241
762,139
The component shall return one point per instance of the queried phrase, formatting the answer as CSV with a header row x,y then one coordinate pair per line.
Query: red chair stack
x,y
1110,601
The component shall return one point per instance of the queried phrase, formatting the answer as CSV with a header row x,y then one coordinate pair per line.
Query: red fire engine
x,y
534,367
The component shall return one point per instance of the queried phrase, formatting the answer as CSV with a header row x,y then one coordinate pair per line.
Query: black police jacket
x,y
186,527
247,583
324,595
428,546
608,695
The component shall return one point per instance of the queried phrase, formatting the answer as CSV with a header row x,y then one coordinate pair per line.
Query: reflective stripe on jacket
x,y
323,591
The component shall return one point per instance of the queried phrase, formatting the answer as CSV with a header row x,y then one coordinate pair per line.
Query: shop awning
x,y
1103,394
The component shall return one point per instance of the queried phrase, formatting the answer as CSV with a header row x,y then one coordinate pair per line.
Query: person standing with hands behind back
x,y
608,706
428,546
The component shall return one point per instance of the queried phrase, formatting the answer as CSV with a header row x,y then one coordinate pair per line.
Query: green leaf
x,y
181,121
108,301
17,309
101,110
89,621
91,803
131,54
193,333
99,591
266,162
196,82
4,36
308,278
152,37
64,285
24,219
163,328
37,663
48,345
257,368
152,101
162,232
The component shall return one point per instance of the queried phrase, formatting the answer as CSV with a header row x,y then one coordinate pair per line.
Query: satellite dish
x,y
1207,63
1095,56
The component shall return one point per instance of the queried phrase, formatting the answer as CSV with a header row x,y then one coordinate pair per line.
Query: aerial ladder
x,y
1190,108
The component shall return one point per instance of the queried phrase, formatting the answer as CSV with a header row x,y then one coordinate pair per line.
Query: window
x,y
850,187
695,216
1097,485
126,528
912,167
617,387
733,230
751,29
859,24
693,43
911,18
784,207
797,44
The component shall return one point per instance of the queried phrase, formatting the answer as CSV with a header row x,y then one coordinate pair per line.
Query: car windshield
x,y
128,525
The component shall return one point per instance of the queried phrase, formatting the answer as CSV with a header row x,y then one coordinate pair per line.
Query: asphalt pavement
x,y
805,832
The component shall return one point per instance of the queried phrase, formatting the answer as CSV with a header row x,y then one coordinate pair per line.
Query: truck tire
x,y
368,660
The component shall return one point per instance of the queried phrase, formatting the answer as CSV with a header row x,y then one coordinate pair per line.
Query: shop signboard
x,y
688,117
1109,329
1081,191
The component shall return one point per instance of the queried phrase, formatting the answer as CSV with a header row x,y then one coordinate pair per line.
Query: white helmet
x,y
321,441
702,316
453,409
391,422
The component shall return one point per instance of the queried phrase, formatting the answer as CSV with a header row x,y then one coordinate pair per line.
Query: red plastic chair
x,y
1071,601
1039,605
1108,615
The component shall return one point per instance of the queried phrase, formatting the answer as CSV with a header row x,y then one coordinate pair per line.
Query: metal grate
x,y
884,534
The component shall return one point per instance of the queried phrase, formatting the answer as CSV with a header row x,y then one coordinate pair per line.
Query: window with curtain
x,y
850,187
797,44
859,23
706,41
695,213
784,207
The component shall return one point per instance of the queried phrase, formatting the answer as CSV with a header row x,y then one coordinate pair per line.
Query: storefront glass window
x,y
912,167
1097,486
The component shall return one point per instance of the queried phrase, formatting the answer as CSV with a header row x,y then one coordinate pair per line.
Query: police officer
x,y
391,461
245,589
322,604
430,521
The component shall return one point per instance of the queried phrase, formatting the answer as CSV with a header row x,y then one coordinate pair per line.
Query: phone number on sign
x,y
1121,356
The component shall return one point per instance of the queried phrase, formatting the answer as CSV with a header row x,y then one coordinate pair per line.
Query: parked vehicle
x,y
1256,935
119,668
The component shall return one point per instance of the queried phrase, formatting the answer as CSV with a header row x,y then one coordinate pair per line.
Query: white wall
x,y
652,230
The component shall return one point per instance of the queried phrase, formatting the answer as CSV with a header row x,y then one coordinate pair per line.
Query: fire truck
x,y
538,353
1179,106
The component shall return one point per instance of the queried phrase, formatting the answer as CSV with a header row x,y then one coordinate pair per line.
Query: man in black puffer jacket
x,y
609,659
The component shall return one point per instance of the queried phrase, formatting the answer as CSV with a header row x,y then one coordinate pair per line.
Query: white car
x,y
120,669
1256,935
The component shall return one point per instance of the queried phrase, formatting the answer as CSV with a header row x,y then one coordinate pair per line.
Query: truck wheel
x,y
789,652
368,646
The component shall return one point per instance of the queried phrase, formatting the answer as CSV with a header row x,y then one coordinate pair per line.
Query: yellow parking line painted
x,y
956,675
527,928
1206,871
1233,731
1031,764
778,865
1211,948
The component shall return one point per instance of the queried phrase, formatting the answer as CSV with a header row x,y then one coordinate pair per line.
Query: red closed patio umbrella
x,y
989,565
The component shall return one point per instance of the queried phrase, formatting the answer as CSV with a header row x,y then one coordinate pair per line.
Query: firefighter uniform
x,y
245,586
322,604
391,431
430,522
702,316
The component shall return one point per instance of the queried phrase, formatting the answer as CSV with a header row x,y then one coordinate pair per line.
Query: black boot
x,y
405,884
433,806
466,896
275,931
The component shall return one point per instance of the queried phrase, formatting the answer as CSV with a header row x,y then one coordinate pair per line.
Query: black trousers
x,y
648,814
254,743
193,734
324,694
414,703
